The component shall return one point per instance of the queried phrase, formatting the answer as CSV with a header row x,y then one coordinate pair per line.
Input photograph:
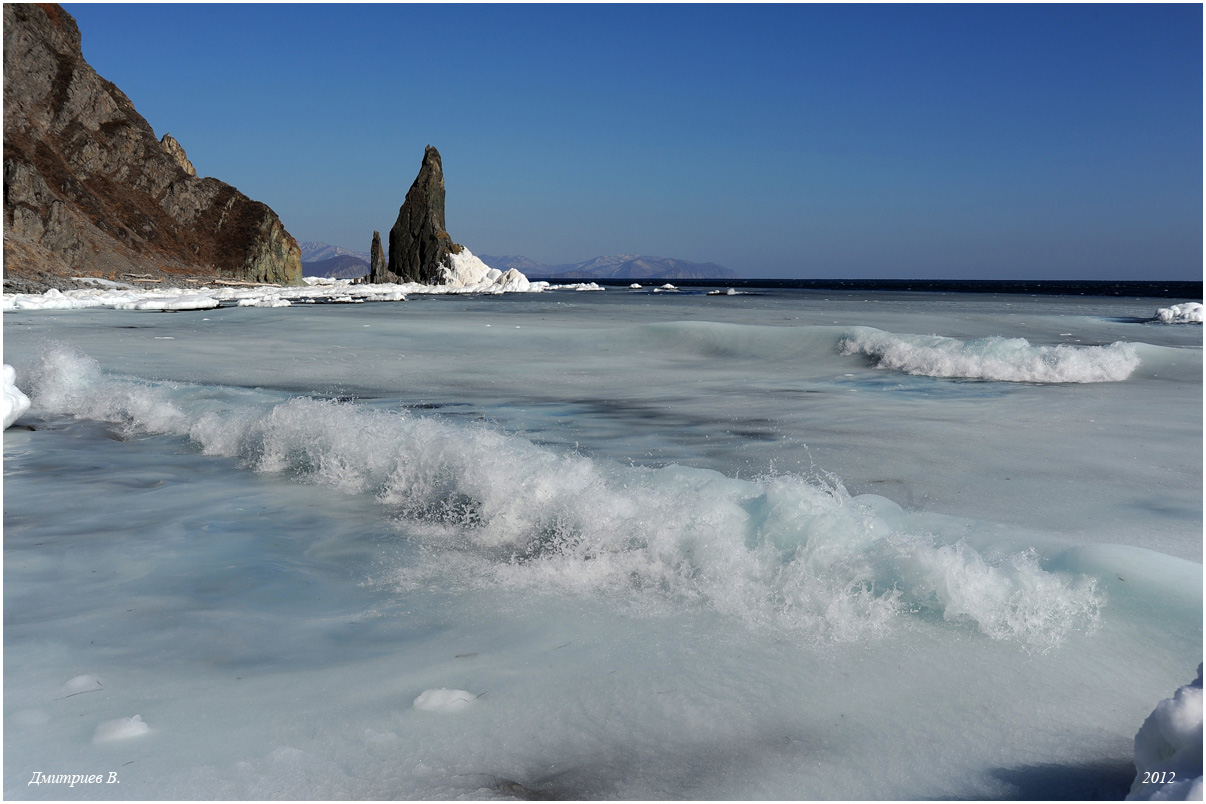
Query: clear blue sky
x,y
928,141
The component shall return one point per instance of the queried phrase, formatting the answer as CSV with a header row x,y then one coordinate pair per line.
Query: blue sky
x,y
922,141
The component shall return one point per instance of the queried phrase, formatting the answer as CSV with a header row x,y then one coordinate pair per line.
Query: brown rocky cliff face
x,y
419,243
88,188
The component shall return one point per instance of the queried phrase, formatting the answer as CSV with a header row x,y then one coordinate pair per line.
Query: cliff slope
x,y
88,188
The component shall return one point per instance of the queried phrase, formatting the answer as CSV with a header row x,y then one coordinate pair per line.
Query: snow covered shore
x,y
1168,749
467,275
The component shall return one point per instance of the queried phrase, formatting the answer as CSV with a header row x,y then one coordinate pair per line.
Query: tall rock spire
x,y
419,243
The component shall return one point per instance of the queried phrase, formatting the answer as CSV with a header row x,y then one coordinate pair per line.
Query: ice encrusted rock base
x,y
15,402
464,271
1168,749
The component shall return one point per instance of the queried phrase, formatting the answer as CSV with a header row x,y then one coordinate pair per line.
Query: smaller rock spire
x,y
376,260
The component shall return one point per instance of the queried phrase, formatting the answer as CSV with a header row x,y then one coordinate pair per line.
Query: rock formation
x,y
88,188
177,151
376,257
419,244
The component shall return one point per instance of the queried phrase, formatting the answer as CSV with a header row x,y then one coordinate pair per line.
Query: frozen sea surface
x,y
609,545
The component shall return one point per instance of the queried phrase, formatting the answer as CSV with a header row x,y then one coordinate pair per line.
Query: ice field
x,y
623,544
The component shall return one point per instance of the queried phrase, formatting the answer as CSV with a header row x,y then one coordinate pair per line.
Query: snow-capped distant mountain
x,y
618,266
524,265
313,251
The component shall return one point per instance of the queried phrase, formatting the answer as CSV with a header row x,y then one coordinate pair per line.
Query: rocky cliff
x,y
88,188
419,243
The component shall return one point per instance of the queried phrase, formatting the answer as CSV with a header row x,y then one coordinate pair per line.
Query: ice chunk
x,y
578,286
1187,313
80,684
444,700
15,402
191,301
1168,749
123,728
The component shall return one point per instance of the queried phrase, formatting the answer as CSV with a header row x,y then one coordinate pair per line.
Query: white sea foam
x,y
15,402
994,358
1168,749
1187,313
494,509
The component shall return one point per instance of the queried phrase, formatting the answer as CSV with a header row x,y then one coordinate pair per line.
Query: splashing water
x,y
781,550
995,358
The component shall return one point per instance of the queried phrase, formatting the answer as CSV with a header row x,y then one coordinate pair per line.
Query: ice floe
x,y
161,301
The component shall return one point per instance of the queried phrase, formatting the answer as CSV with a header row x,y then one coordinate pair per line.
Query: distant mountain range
x,y
323,259
313,251
620,266
345,266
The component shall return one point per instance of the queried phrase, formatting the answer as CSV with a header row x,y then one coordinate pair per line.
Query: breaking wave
x,y
995,358
992,358
782,550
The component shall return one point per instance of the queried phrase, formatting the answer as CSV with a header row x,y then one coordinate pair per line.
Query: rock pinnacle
x,y
419,243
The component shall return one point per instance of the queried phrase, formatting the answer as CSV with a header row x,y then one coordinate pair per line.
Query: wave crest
x,y
492,508
993,358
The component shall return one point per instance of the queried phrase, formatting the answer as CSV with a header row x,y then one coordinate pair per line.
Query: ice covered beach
x,y
467,275
781,544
